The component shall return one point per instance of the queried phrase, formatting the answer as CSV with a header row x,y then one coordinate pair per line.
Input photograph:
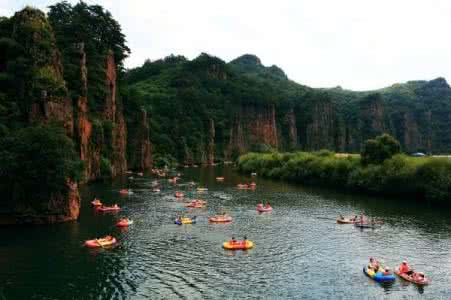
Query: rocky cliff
x,y
59,83
140,148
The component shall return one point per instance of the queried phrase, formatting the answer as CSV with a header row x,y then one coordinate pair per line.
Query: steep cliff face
x,y
140,149
210,157
253,125
45,88
43,98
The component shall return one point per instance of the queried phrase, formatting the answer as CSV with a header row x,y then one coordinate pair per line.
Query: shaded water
x,y
300,251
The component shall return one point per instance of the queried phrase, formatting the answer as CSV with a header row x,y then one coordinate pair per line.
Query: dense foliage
x,y
36,162
94,29
41,68
181,97
376,151
406,177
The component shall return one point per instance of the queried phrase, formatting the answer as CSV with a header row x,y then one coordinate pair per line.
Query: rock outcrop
x,y
253,125
140,148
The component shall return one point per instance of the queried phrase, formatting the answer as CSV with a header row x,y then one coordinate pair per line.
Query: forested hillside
x,y
206,109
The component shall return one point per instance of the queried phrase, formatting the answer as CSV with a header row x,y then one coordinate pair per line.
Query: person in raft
x,y
386,271
232,241
362,219
341,217
267,205
405,268
244,240
374,264
418,276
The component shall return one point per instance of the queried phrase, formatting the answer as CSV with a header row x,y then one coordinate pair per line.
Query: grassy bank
x,y
402,176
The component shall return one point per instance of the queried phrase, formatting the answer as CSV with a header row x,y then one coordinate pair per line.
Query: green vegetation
x,y
399,175
36,162
376,151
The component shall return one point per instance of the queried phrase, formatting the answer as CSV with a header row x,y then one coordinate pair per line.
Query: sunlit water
x,y
300,252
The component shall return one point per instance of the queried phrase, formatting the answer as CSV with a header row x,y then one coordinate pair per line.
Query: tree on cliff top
x,y
383,147
98,32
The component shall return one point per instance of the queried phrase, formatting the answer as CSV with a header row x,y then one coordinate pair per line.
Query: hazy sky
x,y
357,44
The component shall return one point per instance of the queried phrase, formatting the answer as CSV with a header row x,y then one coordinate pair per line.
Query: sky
x,y
355,44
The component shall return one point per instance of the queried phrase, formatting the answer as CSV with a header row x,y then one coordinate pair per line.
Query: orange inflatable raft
x,y
103,242
238,245
220,219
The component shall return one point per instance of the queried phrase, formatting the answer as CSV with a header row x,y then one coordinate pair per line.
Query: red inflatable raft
x,y
124,223
261,208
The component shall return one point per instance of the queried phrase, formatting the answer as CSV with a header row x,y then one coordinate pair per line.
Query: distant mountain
x,y
243,105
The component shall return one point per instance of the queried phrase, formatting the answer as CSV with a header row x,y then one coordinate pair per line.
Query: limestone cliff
x,y
43,98
253,125
140,148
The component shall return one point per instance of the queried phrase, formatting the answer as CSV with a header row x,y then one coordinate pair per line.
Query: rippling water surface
x,y
300,251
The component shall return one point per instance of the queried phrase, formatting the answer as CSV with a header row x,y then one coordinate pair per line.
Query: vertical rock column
x,y
211,143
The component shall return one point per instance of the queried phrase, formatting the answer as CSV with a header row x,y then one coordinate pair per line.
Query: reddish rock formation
x,y
47,110
110,100
253,125
290,122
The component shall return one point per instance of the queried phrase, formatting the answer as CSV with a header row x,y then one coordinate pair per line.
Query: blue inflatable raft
x,y
378,276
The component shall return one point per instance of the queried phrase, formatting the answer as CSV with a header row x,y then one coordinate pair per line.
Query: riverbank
x,y
424,179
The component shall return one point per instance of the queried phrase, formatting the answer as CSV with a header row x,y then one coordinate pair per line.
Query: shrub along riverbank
x,y
425,178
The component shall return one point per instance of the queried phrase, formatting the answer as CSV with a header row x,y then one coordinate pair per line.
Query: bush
x,y
424,178
375,151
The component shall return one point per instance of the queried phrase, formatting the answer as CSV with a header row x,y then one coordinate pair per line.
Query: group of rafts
x,y
180,220
379,273
107,240
375,270
221,218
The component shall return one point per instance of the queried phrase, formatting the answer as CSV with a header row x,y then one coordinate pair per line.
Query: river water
x,y
300,251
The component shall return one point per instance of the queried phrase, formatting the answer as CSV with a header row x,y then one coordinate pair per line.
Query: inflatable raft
x,y
124,223
220,219
424,281
125,192
179,194
345,221
103,242
185,221
238,245
108,208
261,208
378,276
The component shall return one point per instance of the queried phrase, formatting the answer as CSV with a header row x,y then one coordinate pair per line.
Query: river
x,y
300,251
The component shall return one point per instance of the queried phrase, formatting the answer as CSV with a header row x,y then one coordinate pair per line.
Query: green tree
x,y
36,162
376,151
